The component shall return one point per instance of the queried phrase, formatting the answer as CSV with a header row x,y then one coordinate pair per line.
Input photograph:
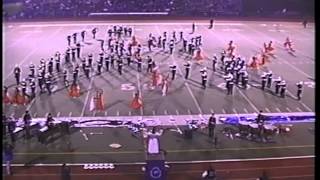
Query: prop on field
x,y
115,145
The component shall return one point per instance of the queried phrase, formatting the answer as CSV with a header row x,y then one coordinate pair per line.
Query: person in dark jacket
x,y
65,172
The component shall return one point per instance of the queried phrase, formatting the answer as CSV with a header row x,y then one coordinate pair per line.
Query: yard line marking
x,y
12,115
94,113
267,109
186,83
289,110
165,112
211,110
244,96
307,75
129,113
30,104
58,114
87,97
139,87
118,113
285,61
224,111
106,113
245,110
304,105
299,109
251,103
234,110
35,114
32,52
177,112
70,114
16,42
189,112
153,112
123,23
278,109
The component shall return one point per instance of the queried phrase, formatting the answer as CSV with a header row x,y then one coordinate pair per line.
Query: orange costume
x,y
288,45
264,59
198,56
269,49
19,99
74,90
134,41
254,63
231,49
6,96
136,102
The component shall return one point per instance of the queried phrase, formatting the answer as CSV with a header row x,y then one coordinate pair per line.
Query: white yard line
x,y
70,114
177,112
224,111
245,110
299,109
234,110
249,101
267,109
139,87
129,113
58,114
304,105
106,113
283,59
289,110
124,23
87,97
118,113
165,112
32,52
278,110
186,83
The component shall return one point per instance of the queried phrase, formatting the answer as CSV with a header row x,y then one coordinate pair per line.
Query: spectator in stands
x,y
209,174
65,172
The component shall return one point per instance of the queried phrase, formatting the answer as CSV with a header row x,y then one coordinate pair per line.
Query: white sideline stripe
x,y
122,23
304,105
267,109
177,162
186,83
130,13
87,97
31,52
139,87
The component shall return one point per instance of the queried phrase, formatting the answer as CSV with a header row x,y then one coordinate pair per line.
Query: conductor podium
x,y
155,160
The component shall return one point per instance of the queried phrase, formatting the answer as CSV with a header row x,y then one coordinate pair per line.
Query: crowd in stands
x,y
32,9
53,9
